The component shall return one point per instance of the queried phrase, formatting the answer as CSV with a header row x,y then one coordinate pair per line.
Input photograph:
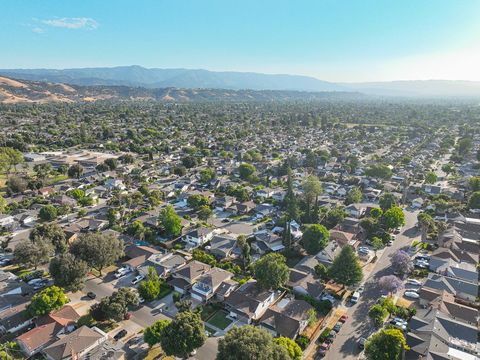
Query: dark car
x,y
337,327
91,295
331,337
361,342
120,334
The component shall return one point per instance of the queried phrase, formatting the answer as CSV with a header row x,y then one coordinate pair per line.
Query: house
x,y
249,302
76,345
185,276
222,246
304,283
266,241
206,285
461,289
265,193
48,329
355,210
6,221
288,317
164,263
417,203
327,255
198,236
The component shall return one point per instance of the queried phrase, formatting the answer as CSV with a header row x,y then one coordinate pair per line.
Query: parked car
x,y
337,326
361,342
331,336
322,350
355,297
411,294
120,334
343,318
361,289
390,243
414,282
137,279
91,295
399,325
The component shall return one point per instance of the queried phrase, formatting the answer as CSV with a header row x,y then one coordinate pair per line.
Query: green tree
x,y
244,247
98,250
379,171
68,272
246,171
312,188
315,238
386,344
52,233
271,271
47,300
48,213
115,306
377,244
197,201
170,221
204,213
153,334
149,289
9,158
353,196
473,183
376,213
345,268
111,163
426,222
431,177
290,200
387,200
207,175
294,350
333,217
464,145
3,205
378,314
250,343
32,254
75,171
185,333
474,200
393,218
321,271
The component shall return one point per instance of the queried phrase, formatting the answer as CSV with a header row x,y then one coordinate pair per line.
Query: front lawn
x,y
219,320
164,291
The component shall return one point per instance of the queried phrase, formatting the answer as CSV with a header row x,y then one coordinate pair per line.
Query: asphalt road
x,y
358,324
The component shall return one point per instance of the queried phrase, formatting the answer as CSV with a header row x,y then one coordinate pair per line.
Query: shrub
x,y
302,341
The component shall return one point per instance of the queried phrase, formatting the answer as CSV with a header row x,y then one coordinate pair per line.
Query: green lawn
x,y
219,320
164,291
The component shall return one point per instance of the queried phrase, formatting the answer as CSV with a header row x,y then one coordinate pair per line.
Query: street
x,y
358,324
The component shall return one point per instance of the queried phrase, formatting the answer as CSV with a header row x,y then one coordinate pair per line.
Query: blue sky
x,y
336,40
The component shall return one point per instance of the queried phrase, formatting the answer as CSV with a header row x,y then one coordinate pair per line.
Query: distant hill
x,y
178,78
25,91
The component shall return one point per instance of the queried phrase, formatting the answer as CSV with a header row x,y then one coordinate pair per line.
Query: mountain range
x,y
155,78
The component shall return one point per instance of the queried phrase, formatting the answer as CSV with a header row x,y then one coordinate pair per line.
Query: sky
x,y
333,40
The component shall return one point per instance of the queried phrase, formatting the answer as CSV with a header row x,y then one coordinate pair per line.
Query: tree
x,y
390,283
250,343
189,161
334,216
393,218
345,268
378,314
9,158
149,289
386,344
312,188
68,272
464,145
42,170
321,271
426,222
353,196
290,200
115,306
170,221
183,334
207,175
16,184
98,250
137,229
377,244
3,204
47,300
271,271
75,171
401,262
387,200
474,201
246,171
204,213
153,334
474,183
111,163
52,233
379,171
197,201
48,213
294,350
32,254
315,238
244,247
376,213
431,177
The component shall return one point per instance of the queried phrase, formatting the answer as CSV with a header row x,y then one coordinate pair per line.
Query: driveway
x,y
345,345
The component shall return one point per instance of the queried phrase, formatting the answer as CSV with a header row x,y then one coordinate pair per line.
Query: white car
x,y
414,282
411,294
137,279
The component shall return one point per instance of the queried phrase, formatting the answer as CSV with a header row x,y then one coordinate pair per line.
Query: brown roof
x,y
40,336
73,343
64,316
193,270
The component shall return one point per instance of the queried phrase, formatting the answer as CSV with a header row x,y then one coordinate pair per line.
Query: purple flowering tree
x,y
390,283
401,262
